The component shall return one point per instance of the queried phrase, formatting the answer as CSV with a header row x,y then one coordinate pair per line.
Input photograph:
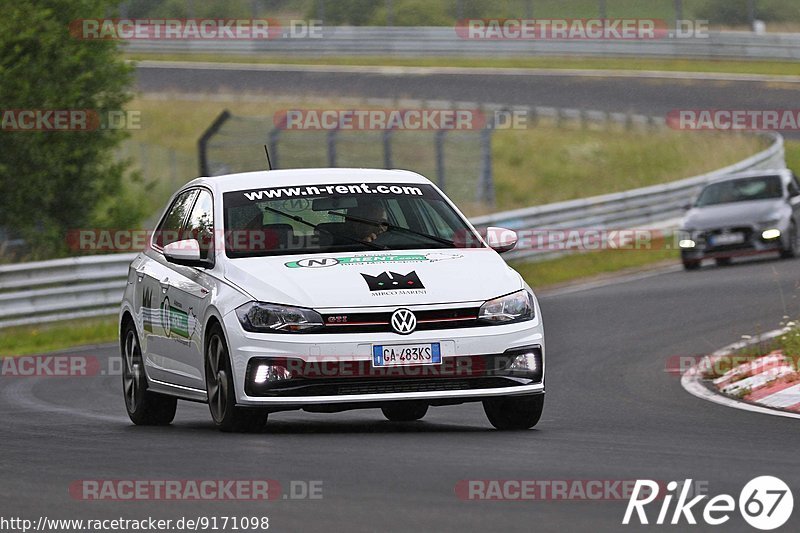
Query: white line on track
x,y
457,71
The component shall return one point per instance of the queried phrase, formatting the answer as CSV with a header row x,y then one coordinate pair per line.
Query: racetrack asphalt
x,y
654,96
611,413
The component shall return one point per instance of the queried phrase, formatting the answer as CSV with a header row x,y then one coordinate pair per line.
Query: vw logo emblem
x,y
404,321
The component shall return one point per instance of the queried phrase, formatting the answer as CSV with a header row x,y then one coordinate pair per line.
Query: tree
x,y
55,181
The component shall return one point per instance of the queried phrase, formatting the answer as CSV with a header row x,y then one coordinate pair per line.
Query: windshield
x,y
341,218
741,190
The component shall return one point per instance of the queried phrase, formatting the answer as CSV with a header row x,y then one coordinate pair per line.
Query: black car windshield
x,y
741,190
349,217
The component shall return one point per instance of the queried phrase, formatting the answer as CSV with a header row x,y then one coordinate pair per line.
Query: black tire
x,y
723,261
514,413
227,416
691,265
405,411
145,408
791,251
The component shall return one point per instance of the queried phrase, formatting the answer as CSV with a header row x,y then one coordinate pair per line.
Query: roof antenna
x,y
269,162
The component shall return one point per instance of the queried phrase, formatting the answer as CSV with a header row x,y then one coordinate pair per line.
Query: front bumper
x,y
335,372
753,244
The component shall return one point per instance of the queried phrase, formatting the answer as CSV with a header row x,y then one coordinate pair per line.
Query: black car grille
x,y
466,317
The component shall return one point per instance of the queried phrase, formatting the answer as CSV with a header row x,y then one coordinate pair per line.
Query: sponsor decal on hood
x,y
319,262
392,282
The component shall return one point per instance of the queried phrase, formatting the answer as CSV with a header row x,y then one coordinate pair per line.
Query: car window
x,y
341,218
741,190
169,230
200,225
435,222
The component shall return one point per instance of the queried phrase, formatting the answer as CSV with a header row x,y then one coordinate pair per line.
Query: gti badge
x,y
404,321
393,281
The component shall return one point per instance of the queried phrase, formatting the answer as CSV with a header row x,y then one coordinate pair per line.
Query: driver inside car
x,y
372,211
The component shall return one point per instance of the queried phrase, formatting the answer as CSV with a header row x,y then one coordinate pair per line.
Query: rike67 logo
x,y
765,503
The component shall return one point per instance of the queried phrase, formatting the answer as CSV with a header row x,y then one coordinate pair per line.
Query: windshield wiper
x,y
316,227
389,225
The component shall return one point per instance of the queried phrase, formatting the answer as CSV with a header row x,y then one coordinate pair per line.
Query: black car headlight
x,y
514,307
269,318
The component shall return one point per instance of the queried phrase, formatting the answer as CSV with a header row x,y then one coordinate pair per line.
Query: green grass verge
x,y
29,340
777,68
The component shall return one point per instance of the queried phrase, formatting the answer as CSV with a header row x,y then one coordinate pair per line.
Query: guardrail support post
x,y
274,138
202,143
486,187
332,147
440,170
387,148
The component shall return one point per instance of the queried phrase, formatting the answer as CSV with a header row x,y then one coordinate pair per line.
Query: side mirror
x,y
686,206
186,253
501,240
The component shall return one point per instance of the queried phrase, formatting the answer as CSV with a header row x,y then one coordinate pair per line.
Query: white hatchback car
x,y
327,290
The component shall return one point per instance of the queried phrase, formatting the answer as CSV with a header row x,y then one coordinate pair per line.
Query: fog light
x,y
687,243
271,373
525,361
770,234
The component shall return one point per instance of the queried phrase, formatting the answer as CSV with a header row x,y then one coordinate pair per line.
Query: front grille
x,y
466,317
416,386
747,231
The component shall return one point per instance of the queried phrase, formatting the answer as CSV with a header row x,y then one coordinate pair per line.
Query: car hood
x,y
412,277
733,214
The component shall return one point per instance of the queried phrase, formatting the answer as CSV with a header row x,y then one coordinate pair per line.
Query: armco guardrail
x,y
32,293
48,291
654,207
444,41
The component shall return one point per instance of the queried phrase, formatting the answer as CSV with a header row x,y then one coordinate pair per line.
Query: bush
x,y
54,181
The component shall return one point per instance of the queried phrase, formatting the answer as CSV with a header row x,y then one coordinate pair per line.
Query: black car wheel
x,y
691,264
513,413
405,411
226,414
145,408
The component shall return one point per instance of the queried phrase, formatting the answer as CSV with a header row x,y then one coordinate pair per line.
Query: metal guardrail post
x,y
202,143
274,138
486,188
332,147
387,148
440,169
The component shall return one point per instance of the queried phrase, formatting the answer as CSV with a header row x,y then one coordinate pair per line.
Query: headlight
x,y
268,318
514,307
